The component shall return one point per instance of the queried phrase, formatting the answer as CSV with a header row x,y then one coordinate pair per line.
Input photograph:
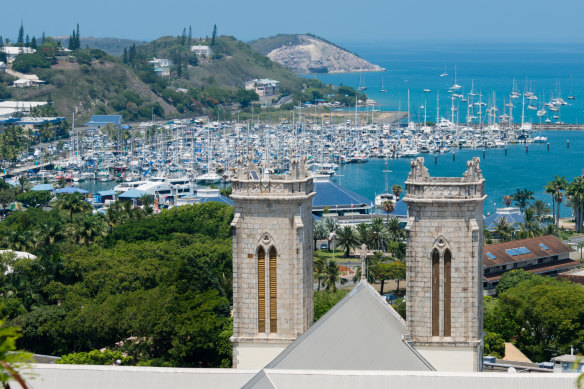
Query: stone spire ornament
x,y
363,262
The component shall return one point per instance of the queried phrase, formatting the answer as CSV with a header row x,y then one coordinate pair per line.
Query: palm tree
x,y
333,276
503,230
378,234
540,209
362,233
332,225
388,207
555,188
522,197
50,233
347,239
89,228
530,228
396,189
147,200
395,231
73,203
575,192
24,183
507,200
319,231
319,269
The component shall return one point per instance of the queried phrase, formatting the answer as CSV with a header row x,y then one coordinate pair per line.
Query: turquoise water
x,y
549,69
503,174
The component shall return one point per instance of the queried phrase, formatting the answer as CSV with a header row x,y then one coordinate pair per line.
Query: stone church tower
x,y
272,262
445,266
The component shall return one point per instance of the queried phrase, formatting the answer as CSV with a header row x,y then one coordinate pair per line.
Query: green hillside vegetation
x,y
90,81
162,299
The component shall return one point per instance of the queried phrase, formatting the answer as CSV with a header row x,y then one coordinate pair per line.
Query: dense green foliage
x,y
541,315
494,345
24,63
511,279
157,288
324,300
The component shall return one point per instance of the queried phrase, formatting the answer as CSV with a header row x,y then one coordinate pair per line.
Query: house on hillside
x,y
2,67
13,51
544,255
264,86
161,66
202,50
97,122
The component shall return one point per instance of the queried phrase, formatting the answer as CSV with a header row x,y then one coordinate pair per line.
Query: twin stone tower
x,y
273,257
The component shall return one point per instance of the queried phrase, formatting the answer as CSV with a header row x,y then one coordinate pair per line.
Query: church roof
x,y
361,332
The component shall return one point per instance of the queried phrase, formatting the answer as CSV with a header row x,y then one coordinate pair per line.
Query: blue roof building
x,y
337,198
512,215
99,121
42,187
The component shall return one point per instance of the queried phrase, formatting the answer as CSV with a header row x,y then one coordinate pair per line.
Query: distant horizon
x,y
338,21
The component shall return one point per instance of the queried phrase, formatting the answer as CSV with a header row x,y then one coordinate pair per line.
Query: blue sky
x,y
340,21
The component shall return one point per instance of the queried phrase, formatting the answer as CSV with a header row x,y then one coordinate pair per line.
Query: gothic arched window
x,y
273,292
447,292
261,290
435,293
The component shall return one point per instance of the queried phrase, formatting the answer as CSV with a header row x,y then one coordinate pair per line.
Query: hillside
x,y
96,88
112,46
306,53
233,62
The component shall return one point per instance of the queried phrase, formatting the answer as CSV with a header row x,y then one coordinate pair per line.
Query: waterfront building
x,y
339,201
97,122
543,255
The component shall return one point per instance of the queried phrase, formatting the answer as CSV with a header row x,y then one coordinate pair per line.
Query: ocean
x,y
545,70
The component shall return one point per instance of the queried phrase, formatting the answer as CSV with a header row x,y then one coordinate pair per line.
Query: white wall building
x,y
202,50
13,51
264,86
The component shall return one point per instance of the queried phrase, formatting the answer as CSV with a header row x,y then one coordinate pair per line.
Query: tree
x,y
125,56
511,279
246,97
319,269
347,239
33,43
362,233
503,230
540,209
332,225
494,345
396,189
24,183
530,227
214,35
325,300
96,357
88,228
35,199
20,39
319,232
522,197
507,200
575,192
388,207
555,188
72,203
377,235
11,359
333,276
394,229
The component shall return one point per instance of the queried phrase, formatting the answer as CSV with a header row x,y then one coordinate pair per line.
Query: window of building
x,y
273,292
447,293
435,293
261,290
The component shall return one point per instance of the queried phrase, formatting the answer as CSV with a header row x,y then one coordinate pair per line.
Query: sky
x,y
512,21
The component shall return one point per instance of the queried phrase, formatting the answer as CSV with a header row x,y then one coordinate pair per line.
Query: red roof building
x,y
544,255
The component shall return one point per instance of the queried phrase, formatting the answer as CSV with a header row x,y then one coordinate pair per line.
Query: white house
x,y
2,67
161,66
202,50
264,86
12,51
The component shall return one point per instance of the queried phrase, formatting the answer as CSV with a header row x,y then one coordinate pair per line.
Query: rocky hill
x,y
306,53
